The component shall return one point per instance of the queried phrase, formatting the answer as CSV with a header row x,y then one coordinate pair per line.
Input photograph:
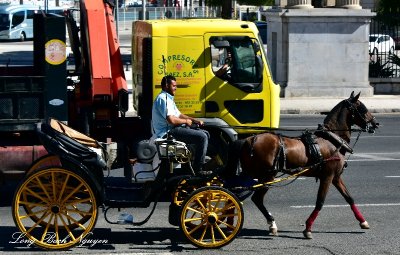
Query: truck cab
x,y
193,50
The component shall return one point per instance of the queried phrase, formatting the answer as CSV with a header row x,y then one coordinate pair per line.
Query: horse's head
x,y
360,115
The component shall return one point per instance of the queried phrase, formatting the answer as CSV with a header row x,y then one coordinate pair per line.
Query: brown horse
x,y
264,155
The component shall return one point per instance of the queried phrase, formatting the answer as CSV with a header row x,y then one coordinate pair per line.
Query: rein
x,y
354,145
279,129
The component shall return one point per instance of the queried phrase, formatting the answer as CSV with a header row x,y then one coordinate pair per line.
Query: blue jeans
x,y
198,137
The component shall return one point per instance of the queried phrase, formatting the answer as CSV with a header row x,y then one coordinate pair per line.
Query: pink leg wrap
x,y
357,213
311,219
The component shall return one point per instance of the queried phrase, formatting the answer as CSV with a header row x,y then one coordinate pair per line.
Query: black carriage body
x,y
113,192
74,156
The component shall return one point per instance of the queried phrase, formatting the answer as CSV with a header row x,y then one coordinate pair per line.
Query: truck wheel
x,y
211,217
62,208
22,37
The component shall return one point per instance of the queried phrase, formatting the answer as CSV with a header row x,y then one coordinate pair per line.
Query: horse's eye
x,y
362,109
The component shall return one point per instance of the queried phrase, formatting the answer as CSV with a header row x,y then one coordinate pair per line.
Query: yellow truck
x,y
243,96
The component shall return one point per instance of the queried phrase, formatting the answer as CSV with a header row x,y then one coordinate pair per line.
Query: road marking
x,y
336,206
392,176
376,156
380,159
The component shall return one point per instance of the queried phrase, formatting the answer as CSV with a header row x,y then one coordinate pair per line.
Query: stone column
x,y
320,51
348,4
299,4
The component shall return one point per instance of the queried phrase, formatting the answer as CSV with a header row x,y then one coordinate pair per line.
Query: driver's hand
x,y
189,122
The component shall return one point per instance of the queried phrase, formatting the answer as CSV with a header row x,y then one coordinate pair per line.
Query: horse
x,y
264,155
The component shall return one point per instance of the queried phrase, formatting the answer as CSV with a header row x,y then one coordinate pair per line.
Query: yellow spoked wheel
x,y
43,162
211,217
63,208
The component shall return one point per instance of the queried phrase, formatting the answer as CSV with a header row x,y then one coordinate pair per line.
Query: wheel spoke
x,y
192,219
77,201
77,211
72,193
37,223
33,214
47,228
212,233
220,231
228,206
203,234
217,203
226,224
31,205
197,227
53,182
228,215
67,228
63,188
194,210
43,188
201,204
32,193
74,221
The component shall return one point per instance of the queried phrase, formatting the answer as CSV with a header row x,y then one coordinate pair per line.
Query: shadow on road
x,y
7,193
169,239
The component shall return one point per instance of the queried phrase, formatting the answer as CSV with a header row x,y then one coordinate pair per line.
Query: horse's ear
x,y
354,98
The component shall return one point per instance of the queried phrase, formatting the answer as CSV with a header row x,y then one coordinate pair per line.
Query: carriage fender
x,y
94,180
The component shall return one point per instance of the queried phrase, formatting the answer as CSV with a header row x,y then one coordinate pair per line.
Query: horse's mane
x,y
334,118
333,114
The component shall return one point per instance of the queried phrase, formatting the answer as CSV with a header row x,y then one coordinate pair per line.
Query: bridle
x,y
369,124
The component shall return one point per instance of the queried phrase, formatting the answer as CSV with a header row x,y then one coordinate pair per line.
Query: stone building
x,y
319,51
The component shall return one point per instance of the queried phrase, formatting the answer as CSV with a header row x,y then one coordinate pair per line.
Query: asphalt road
x,y
372,177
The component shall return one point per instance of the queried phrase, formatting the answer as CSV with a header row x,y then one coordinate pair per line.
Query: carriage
x,y
57,203
62,192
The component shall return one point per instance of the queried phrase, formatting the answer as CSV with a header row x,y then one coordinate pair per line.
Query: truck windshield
x,y
236,60
4,22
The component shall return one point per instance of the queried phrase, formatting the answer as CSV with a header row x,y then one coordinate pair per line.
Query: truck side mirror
x,y
256,46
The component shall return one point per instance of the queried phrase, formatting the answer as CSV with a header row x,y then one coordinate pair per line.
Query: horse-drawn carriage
x,y
56,205
61,194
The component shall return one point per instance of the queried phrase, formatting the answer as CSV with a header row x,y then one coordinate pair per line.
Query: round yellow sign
x,y
55,52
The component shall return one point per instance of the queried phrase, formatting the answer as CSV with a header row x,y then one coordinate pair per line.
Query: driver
x,y
224,72
167,117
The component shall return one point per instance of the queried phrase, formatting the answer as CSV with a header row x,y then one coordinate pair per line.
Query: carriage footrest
x,y
121,194
126,204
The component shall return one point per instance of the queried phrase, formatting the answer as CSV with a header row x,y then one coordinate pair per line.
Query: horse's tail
x,y
232,164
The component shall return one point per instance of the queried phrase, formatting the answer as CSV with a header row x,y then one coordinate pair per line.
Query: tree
x,y
388,12
388,5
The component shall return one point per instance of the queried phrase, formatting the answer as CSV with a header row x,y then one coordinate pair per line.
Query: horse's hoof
x,y
273,229
364,225
307,234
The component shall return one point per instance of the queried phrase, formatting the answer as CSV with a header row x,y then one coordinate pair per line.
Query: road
x,y
372,177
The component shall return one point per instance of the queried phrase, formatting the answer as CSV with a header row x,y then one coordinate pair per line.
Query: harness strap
x,y
280,158
313,148
333,158
336,140
253,141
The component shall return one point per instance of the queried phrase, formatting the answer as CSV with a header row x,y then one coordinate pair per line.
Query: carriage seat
x,y
61,139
